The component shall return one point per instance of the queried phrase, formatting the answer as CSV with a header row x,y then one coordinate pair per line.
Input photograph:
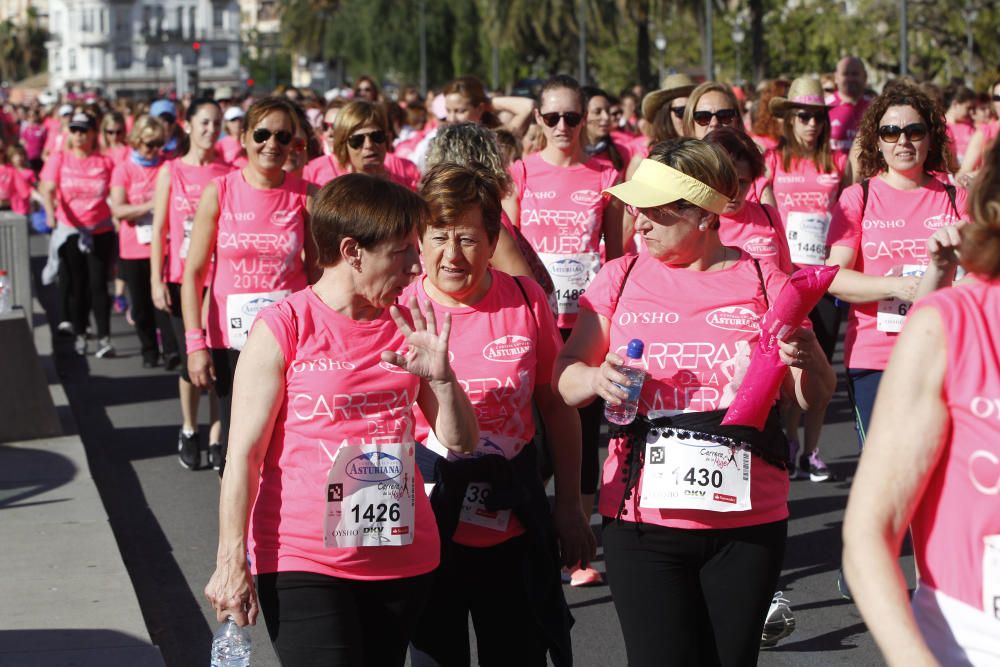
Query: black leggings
x,y
826,318
319,621
83,279
488,583
591,417
224,361
147,318
692,598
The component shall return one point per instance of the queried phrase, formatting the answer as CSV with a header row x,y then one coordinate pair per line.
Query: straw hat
x,y
674,85
804,93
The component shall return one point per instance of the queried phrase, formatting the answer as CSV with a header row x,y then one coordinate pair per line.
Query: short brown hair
x,y
700,160
980,249
739,146
368,209
450,189
264,107
355,114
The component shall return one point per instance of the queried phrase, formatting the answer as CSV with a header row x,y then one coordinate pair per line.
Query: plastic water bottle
x,y
624,413
6,298
231,645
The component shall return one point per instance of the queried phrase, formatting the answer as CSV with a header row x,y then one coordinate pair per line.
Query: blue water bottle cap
x,y
635,347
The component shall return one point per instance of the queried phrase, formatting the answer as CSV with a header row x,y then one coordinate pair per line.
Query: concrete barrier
x,y
26,408
15,258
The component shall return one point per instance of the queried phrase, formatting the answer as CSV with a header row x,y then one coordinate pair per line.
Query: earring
x,y
703,227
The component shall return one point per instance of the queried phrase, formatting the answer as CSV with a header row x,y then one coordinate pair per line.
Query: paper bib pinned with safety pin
x,y
685,473
370,496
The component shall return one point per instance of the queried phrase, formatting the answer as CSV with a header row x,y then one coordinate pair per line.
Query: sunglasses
x,y
656,213
366,90
724,116
808,116
890,134
78,130
262,134
996,98
678,112
114,133
571,118
153,145
356,141
168,118
327,126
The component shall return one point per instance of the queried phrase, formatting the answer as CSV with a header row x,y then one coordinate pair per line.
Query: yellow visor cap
x,y
655,184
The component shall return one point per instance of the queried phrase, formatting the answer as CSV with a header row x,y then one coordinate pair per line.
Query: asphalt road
x,y
165,519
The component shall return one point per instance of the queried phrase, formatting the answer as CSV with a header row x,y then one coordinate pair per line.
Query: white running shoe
x,y
779,623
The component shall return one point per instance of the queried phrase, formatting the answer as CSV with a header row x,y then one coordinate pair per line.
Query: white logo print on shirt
x,y
734,318
507,348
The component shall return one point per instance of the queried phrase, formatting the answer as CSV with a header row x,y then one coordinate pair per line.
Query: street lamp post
x,y
738,36
970,14
709,46
660,41
904,42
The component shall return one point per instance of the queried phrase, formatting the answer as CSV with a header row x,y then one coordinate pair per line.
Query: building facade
x,y
136,48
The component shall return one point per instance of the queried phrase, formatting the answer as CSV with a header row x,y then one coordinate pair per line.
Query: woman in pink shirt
x,y
360,145
939,412
15,188
75,184
114,137
178,188
695,513
255,221
33,136
321,473
599,141
490,504
132,186
984,137
958,103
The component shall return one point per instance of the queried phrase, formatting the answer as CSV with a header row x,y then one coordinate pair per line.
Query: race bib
x,y
571,274
991,576
186,241
144,230
682,472
806,233
474,508
370,496
241,311
892,312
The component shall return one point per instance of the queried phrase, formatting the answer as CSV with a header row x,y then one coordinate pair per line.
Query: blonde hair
x,y
145,125
702,90
353,115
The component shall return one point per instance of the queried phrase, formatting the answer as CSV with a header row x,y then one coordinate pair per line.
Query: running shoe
x,y
215,456
104,348
80,345
780,621
582,576
64,328
816,468
794,471
120,304
188,450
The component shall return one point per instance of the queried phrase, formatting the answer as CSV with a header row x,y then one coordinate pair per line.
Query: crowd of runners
x,y
409,315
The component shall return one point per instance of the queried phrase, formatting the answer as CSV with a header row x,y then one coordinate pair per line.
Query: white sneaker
x,y
104,348
779,623
65,328
80,345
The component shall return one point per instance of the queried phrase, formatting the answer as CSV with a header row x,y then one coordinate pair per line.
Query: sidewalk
x,y
65,597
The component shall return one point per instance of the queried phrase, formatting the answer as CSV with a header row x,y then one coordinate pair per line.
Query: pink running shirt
x,y
14,188
118,154
33,137
960,134
337,390
757,231
500,356
21,202
258,248
325,168
845,117
186,184
139,183
697,328
562,213
890,234
229,148
82,188
959,507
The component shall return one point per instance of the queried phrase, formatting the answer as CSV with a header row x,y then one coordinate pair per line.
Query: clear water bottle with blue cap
x,y
231,645
624,413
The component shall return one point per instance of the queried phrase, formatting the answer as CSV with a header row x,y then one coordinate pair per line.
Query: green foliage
x,y
22,48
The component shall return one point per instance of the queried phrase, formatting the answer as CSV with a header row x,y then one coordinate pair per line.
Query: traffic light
x,y
249,83
196,46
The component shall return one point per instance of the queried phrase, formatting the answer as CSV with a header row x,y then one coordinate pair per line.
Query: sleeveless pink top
x,y
186,184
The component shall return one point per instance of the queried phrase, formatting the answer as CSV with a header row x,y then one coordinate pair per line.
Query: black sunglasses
x,y
807,116
890,134
168,118
78,130
571,118
996,98
262,134
679,112
356,141
114,133
327,126
725,116
153,145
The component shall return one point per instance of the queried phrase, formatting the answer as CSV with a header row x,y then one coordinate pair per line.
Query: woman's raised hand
x,y
426,354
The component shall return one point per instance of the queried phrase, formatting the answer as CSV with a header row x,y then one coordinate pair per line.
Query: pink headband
x,y
816,100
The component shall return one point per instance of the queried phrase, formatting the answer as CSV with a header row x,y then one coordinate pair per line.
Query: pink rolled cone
x,y
763,378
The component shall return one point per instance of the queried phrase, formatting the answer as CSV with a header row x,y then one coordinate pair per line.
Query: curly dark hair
x,y
939,154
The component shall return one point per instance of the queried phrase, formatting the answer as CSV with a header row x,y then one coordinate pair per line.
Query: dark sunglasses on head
x,y
679,112
153,145
262,134
571,118
356,141
890,134
725,116
168,118
807,116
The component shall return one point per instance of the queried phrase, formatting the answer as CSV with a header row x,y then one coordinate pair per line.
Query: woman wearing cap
x,y
500,561
132,186
360,136
806,178
256,223
879,228
176,138
229,147
321,489
937,412
75,184
558,207
178,187
693,558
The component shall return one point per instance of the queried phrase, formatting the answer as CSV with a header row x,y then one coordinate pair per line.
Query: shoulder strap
x,y
621,288
763,287
527,301
769,220
864,197
950,189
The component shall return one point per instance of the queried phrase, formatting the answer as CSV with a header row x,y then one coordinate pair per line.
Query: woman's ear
x,y
350,252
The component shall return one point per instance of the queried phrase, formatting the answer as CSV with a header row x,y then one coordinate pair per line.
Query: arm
x,y
47,192
519,107
942,250
121,209
200,251
613,228
562,426
258,394
508,257
512,207
157,250
585,369
909,422
973,159
767,196
812,375
856,287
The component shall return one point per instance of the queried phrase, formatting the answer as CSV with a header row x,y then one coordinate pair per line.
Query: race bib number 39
x,y
241,311
474,508
370,497
806,234
892,312
571,275
694,474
